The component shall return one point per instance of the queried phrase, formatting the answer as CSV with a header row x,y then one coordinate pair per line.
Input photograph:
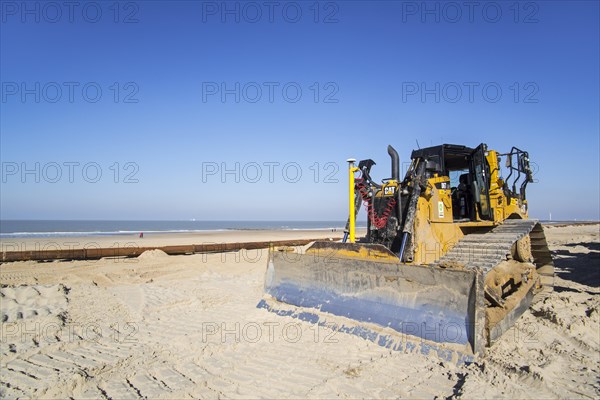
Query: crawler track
x,y
487,250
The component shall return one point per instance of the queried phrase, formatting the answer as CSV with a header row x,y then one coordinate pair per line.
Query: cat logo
x,y
389,190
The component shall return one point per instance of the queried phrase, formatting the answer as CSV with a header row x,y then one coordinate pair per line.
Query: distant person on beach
x,y
141,235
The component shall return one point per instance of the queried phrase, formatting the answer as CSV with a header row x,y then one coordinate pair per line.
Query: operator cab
x,y
468,172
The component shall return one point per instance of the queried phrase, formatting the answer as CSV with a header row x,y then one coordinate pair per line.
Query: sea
x,y
82,228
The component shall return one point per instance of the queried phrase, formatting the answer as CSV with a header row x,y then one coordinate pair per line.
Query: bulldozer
x,y
449,262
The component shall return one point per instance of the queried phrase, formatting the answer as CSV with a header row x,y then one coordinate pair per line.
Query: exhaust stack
x,y
395,162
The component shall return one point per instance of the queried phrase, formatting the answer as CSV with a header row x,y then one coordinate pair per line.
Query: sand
x,y
161,326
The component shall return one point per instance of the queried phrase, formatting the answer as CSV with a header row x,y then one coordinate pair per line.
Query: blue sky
x,y
369,73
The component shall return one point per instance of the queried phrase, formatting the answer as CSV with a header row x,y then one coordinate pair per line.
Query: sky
x,y
249,110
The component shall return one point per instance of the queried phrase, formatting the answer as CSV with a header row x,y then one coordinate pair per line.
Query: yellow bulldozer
x,y
449,262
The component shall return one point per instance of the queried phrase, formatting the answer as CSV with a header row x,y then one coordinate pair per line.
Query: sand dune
x,y
163,326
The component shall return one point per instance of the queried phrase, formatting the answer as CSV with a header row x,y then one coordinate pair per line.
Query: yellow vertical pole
x,y
352,211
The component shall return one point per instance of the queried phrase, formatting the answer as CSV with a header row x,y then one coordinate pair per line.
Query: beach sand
x,y
161,326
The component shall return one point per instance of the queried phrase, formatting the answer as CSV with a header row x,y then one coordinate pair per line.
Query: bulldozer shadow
x,y
576,265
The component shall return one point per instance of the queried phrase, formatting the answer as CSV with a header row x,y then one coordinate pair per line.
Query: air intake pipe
x,y
395,163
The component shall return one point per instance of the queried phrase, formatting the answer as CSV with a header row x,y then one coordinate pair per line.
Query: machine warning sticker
x,y
440,209
389,190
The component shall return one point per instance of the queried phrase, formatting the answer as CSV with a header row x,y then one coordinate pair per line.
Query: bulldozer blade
x,y
442,307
